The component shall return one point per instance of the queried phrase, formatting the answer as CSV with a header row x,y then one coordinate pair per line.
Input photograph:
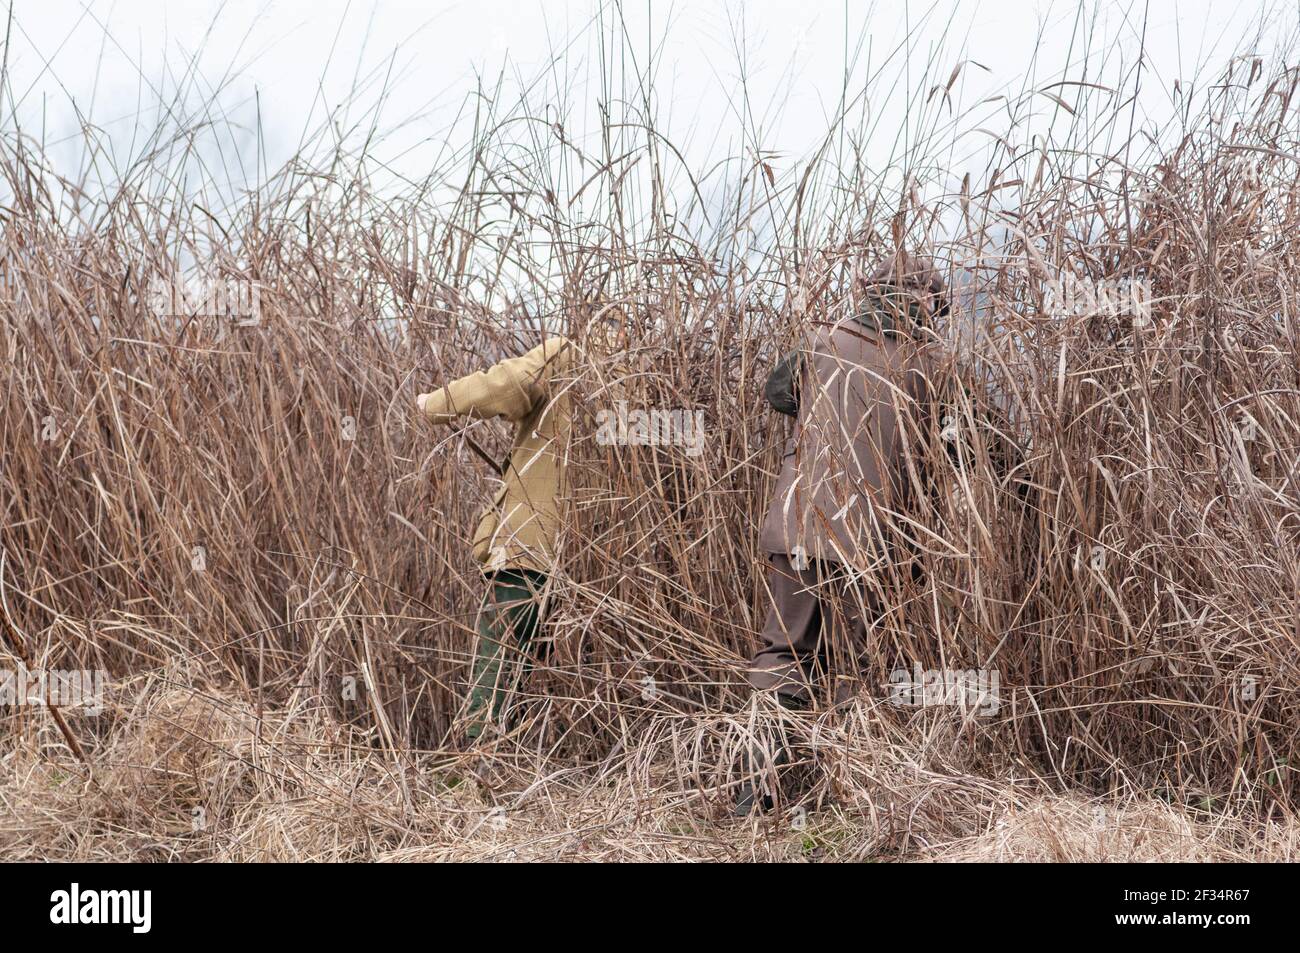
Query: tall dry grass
x,y
248,529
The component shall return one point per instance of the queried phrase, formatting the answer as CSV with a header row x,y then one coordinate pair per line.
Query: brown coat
x,y
850,463
519,528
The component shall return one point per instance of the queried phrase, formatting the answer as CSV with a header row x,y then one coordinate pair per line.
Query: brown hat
x,y
916,274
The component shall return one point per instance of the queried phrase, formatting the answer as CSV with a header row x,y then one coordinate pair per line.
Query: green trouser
x,y
507,623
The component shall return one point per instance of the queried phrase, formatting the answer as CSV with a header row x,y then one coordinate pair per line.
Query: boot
x,y
748,797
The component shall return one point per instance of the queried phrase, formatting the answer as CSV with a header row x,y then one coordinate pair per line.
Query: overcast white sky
x,y
294,63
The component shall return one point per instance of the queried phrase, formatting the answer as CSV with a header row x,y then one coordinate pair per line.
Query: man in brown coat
x,y
859,390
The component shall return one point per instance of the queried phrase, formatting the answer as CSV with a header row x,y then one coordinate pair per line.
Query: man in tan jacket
x,y
516,538
859,390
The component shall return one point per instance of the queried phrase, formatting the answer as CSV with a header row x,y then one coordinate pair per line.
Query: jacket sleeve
x,y
509,389
782,387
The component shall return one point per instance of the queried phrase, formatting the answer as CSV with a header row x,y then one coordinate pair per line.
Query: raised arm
x,y
509,389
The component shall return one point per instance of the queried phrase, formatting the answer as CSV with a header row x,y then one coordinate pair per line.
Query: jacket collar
x,y
892,311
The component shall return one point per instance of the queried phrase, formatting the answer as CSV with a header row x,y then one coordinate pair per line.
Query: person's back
x,y
860,393
850,461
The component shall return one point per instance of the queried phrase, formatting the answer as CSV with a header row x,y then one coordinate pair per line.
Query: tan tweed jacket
x,y
519,529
